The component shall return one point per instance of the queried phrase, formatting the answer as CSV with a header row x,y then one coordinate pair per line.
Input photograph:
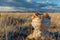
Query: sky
x,y
30,5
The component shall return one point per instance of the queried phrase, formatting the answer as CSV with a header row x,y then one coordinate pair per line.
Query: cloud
x,y
28,0
6,8
23,9
26,5
47,7
51,8
40,2
9,0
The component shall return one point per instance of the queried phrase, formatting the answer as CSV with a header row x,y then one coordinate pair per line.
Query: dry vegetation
x,y
21,19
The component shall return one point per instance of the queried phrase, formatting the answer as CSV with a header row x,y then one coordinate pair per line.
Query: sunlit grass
x,y
55,19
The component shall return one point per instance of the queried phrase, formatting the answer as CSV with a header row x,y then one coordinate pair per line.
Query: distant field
x,y
55,17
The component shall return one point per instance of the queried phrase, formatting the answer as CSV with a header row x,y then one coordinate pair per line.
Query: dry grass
x,y
55,19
